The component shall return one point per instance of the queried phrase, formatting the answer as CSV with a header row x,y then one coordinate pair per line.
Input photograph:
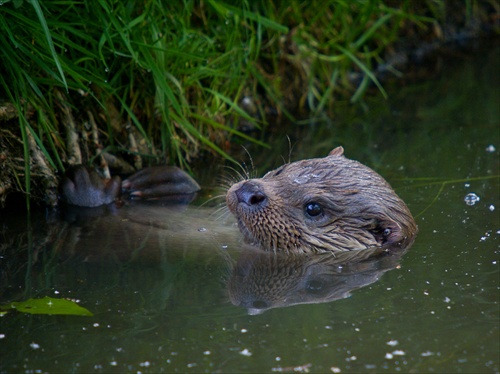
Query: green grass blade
x,y
48,37
369,33
228,129
234,106
228,10
363,67
193,131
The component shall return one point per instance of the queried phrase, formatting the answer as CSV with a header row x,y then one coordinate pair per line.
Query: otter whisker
x,y
221,213
290,149
220,197
253,172
238,175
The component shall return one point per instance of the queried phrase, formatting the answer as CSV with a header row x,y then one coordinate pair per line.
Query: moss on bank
x,y
124,84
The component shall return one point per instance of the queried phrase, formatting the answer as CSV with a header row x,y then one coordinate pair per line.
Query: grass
x,y
164,81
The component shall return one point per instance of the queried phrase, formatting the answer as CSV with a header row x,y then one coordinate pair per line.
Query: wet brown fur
x,y
358,208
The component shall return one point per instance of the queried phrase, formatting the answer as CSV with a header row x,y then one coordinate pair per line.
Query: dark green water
x,y
437,310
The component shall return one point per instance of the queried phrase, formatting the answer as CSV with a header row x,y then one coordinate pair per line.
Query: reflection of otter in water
x,y
321,205
262,280
327,204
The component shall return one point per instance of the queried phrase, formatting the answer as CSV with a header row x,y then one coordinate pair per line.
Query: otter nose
x,y
251,194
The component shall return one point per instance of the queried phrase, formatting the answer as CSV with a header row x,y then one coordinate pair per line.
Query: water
x,y
435,309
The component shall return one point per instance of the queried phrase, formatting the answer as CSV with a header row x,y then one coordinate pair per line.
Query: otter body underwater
x,y
325,204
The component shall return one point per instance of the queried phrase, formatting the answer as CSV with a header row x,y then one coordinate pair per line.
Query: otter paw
x,y
84,187
160,181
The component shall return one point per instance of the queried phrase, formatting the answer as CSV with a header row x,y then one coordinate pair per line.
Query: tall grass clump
x,y
128,83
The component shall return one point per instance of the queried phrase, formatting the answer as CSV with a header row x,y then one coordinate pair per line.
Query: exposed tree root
x,y
101,160
118,163
73,148
133,147
7,112
46,174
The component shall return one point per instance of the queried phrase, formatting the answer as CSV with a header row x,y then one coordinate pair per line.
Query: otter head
x,y
317,205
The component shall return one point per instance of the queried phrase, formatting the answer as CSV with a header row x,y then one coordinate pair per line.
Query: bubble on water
x,y
491,208
245,352
34,345
471,199
486,235
389,356
392,343
202,229
491,148
467,185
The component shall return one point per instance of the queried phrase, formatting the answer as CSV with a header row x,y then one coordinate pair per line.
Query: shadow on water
x,y
205,303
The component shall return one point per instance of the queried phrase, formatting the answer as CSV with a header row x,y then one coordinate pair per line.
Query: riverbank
x,y
124,86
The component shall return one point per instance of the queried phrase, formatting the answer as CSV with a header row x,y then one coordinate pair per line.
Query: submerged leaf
x,y
48,305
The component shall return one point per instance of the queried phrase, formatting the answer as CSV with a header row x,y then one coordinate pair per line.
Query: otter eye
x,y
387,232
313,209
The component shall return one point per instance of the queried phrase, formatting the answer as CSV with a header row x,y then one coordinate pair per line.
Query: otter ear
x,y
388,232
339,151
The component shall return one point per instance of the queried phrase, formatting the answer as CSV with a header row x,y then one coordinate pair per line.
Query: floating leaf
x,y
48,305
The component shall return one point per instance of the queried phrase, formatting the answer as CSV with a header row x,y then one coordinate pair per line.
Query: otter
x,y
329,204
325,204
